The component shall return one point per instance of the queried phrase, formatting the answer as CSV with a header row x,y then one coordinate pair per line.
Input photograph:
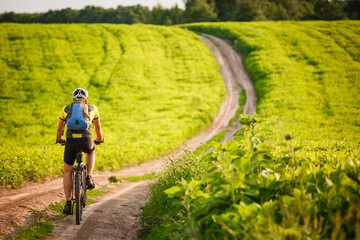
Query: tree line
x,y
199,11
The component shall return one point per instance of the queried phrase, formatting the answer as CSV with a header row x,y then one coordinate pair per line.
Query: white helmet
x,y
80,94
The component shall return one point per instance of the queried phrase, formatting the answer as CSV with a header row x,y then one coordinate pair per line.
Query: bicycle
x,y
78,193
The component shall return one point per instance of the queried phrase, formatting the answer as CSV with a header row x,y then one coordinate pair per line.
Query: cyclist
x,y
78,139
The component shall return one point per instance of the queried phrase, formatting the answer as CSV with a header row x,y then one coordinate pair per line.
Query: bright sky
x,y
32,6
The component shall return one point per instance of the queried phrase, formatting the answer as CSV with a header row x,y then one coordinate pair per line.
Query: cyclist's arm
x,y
98,130
60,130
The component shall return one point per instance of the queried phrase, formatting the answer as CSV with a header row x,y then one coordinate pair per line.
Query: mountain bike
x,y
78,193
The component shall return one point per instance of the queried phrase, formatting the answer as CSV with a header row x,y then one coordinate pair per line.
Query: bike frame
x,y
78,193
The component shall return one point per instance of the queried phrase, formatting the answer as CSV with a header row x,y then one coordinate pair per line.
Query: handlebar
x,y
63,141
97,141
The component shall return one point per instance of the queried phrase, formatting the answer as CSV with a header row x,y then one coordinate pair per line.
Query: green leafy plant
x,y
254,190
114,179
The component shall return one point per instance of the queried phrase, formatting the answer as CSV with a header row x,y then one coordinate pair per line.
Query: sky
x,y
33,6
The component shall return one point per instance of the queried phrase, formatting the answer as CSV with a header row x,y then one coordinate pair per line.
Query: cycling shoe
x,y
89,183
67,208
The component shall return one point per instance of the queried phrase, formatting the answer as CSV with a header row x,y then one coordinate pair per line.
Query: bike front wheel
x,y
78,193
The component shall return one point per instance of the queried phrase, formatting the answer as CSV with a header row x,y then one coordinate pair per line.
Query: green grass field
x,y
293,171
307,74
154,86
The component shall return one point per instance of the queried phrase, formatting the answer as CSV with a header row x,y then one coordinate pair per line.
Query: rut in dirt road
x,y
115,216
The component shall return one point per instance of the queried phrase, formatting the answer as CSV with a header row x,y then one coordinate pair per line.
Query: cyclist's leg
x,y
67,180
69,159
90,162
89,148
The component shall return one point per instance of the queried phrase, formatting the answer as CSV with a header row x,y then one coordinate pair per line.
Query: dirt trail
x,y
115,215
234,72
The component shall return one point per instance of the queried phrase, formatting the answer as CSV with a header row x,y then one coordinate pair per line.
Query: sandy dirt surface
x,y
115,215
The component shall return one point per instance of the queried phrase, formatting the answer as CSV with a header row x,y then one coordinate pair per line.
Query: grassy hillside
x,y
154,86
293,171
307,74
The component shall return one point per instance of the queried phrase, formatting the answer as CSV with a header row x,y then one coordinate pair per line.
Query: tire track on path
x,y
115,216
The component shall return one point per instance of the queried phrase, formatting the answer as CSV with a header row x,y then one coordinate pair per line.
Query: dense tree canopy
x,y
199,11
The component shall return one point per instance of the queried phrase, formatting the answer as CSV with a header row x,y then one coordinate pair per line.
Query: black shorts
x,y
72,146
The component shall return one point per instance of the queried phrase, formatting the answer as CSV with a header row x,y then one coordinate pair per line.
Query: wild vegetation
x,y
293,171
154,86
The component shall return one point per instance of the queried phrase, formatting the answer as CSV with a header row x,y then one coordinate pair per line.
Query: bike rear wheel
x,y
84,197
78,198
